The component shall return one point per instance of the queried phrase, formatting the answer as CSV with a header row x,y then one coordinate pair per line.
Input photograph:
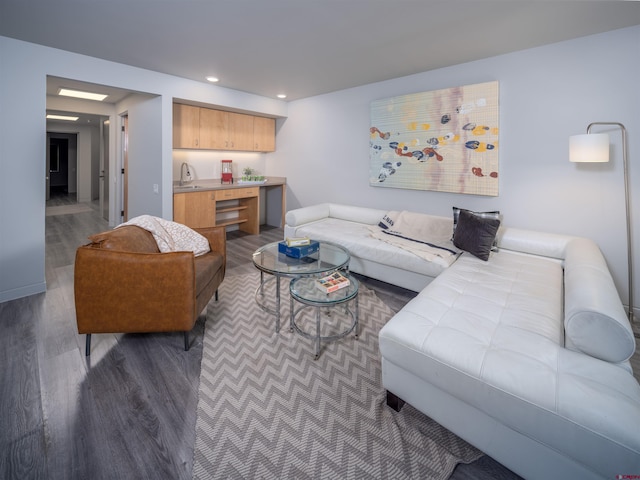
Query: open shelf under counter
x,y
206,203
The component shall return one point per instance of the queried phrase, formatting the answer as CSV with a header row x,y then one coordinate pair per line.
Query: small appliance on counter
x,y
226,172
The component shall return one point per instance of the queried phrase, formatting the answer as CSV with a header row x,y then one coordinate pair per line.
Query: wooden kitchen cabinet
x,y
210,129
186,126
239,206
195,209
214,125
264,134
220,130
240,132
220,207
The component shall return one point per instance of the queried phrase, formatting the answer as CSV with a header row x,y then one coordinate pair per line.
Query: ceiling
x,y
114,95
303,47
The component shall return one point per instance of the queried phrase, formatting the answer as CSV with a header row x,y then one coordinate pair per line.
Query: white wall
x,y
23,104
546,95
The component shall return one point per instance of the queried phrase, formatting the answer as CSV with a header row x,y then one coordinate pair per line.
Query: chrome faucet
x,y
182,168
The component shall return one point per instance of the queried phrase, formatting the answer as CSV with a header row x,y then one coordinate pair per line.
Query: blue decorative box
x,y
299,252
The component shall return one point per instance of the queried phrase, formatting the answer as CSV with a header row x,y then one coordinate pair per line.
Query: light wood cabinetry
x,y
233,206
240,132
195,209
213,129
186,126
264,134
209,129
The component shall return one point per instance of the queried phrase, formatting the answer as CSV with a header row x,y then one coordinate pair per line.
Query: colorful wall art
x,y
443,140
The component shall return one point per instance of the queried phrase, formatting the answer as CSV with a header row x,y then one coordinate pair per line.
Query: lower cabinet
x,y
233,206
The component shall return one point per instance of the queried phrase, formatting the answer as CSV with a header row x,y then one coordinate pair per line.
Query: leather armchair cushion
x,y
126,239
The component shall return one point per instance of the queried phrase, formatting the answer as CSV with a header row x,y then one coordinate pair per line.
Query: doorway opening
x,y
61,169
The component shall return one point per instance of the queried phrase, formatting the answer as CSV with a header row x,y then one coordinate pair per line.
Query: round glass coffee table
x,y
305,291
329,258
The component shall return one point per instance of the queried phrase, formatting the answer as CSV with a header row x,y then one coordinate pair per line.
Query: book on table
x,y
297,241
332,282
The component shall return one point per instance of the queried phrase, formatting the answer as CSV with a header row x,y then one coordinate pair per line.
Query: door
x,y
47,178
125,167
104,170
61,166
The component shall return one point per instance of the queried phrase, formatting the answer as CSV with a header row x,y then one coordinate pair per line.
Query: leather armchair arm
x,y
119,291
217,237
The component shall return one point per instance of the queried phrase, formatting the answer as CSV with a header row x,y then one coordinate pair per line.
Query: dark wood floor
x,y
128,411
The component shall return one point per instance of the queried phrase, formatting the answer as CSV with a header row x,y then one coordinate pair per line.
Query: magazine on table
x,y
332,282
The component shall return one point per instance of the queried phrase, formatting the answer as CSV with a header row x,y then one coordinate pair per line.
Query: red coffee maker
x,y
227,174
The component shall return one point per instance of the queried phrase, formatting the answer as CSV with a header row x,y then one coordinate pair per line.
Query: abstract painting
x,y
442,140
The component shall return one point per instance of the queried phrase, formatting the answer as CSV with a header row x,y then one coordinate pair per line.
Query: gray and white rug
x,y
268,410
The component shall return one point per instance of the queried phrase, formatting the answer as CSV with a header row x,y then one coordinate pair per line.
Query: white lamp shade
x,y
589,147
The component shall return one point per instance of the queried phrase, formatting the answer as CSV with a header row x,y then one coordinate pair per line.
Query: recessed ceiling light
x,y
62,117
80,94
282,95
213,79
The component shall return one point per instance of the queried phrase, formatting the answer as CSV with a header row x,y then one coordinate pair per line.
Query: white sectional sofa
x,y
524,356
348,226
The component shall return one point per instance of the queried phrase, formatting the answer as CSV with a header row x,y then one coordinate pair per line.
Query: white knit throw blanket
x,y
430,241
171,236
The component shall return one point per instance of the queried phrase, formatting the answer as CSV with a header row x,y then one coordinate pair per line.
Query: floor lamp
x,y
595,148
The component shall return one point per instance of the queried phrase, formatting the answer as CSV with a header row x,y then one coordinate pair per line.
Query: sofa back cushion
x,y
300,216
126,239
595,322
370,216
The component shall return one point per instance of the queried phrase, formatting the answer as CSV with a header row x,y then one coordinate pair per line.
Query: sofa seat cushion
x,y
126,239
479,315
356,238
491,334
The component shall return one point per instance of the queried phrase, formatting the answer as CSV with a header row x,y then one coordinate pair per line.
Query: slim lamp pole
x,y
625,162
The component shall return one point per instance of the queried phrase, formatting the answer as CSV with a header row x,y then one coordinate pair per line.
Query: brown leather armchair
x,y
122,283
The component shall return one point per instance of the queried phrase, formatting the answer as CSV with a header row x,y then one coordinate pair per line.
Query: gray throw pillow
x,y
494,215
475,234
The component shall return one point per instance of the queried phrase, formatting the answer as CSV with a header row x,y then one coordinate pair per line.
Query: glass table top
x,y
330,257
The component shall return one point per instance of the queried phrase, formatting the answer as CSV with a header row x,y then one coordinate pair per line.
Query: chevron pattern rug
x,y
268,410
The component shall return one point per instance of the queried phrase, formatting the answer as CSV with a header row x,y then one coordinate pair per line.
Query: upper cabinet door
x,y
264,134
214,127
240,133
186,126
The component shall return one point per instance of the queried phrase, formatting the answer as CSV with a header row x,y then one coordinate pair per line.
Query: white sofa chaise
x,y
524,356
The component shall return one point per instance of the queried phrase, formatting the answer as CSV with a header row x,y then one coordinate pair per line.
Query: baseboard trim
x,y
22,292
